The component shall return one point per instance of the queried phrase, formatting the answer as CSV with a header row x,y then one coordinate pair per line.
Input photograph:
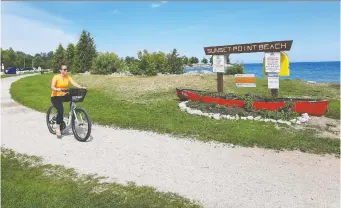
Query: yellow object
x,y
61,83
285,70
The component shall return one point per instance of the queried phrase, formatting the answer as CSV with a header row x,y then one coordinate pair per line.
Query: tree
x,y
193,60
174,62
69,55
185,60
58,58
85,53
204,61
38,61
211,60
106,63
160,61
146,63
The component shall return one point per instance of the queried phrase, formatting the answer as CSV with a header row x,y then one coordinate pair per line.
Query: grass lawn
x,y
150,103
26,182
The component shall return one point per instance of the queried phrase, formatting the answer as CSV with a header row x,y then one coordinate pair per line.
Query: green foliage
x,y
185,60
58,58
211,60
234,69
75,62
38,61
174,62
134,68
86,52
204,60
146,63
69,55
106,63
160,62
193,60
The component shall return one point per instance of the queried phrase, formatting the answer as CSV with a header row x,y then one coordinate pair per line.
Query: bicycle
x,y
77,95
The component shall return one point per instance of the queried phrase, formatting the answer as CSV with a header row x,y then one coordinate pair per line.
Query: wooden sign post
x,y
271,49
273,67
219,62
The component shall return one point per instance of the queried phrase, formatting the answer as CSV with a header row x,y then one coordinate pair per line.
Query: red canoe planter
x,y
312,107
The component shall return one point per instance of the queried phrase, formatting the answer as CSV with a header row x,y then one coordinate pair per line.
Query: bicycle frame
x,y
72,112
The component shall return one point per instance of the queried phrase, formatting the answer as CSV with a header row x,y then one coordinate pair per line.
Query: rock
x,y
232,118
298,122
303,120
237,117
243,118
250,117
273,121
293,120
287,122
216,116
258,118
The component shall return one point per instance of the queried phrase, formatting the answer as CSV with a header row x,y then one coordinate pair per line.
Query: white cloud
x,y
116,11
31,30
158,5
155,5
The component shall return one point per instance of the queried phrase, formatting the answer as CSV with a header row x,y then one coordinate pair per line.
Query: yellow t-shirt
x,y
61,82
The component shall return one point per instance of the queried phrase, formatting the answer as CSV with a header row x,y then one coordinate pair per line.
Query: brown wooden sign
x,y
274,46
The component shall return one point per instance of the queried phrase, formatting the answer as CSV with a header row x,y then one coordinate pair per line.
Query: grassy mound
x,y
26,182
150,103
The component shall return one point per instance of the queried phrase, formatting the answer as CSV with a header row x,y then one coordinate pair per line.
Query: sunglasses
x,y
64,69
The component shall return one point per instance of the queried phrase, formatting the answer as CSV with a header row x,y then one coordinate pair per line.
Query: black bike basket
x,y
77,94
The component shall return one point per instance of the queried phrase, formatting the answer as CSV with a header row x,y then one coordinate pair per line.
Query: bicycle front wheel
x,y
81,124
51,117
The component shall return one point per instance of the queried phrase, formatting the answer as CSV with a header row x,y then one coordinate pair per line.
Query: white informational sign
x,y
273,80
245,80
218,63
2,66
273,62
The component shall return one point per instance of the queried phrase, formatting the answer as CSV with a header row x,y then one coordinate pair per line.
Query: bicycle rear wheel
x,y
81,124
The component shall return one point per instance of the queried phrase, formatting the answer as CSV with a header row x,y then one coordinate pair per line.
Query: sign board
x,y
273,62
285,68
219,63
273,80
274,46
2,66
245,80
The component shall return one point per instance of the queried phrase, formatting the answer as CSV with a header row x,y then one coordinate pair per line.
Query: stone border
x,y
299,120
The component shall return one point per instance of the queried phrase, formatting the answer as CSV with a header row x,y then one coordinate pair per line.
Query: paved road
x,y
214,174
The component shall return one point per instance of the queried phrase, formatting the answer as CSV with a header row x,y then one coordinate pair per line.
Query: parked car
x,y
11,70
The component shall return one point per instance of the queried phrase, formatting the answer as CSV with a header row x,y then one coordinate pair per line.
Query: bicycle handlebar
x,y
67,90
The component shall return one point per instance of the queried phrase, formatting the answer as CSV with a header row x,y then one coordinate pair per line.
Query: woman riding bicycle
x,y
61,82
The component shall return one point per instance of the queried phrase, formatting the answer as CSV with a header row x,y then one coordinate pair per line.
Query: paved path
x,y
214,174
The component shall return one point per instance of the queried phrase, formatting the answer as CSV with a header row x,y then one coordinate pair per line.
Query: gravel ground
x,y
214,174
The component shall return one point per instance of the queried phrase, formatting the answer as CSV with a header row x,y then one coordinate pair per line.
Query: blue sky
x,y
126,27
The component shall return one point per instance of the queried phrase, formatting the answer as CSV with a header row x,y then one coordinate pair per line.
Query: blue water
x,y
308,71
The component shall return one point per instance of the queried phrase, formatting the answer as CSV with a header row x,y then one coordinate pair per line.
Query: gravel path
x,y
214,174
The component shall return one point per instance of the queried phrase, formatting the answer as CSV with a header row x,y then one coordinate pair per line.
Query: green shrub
x,y
107,63
234,69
